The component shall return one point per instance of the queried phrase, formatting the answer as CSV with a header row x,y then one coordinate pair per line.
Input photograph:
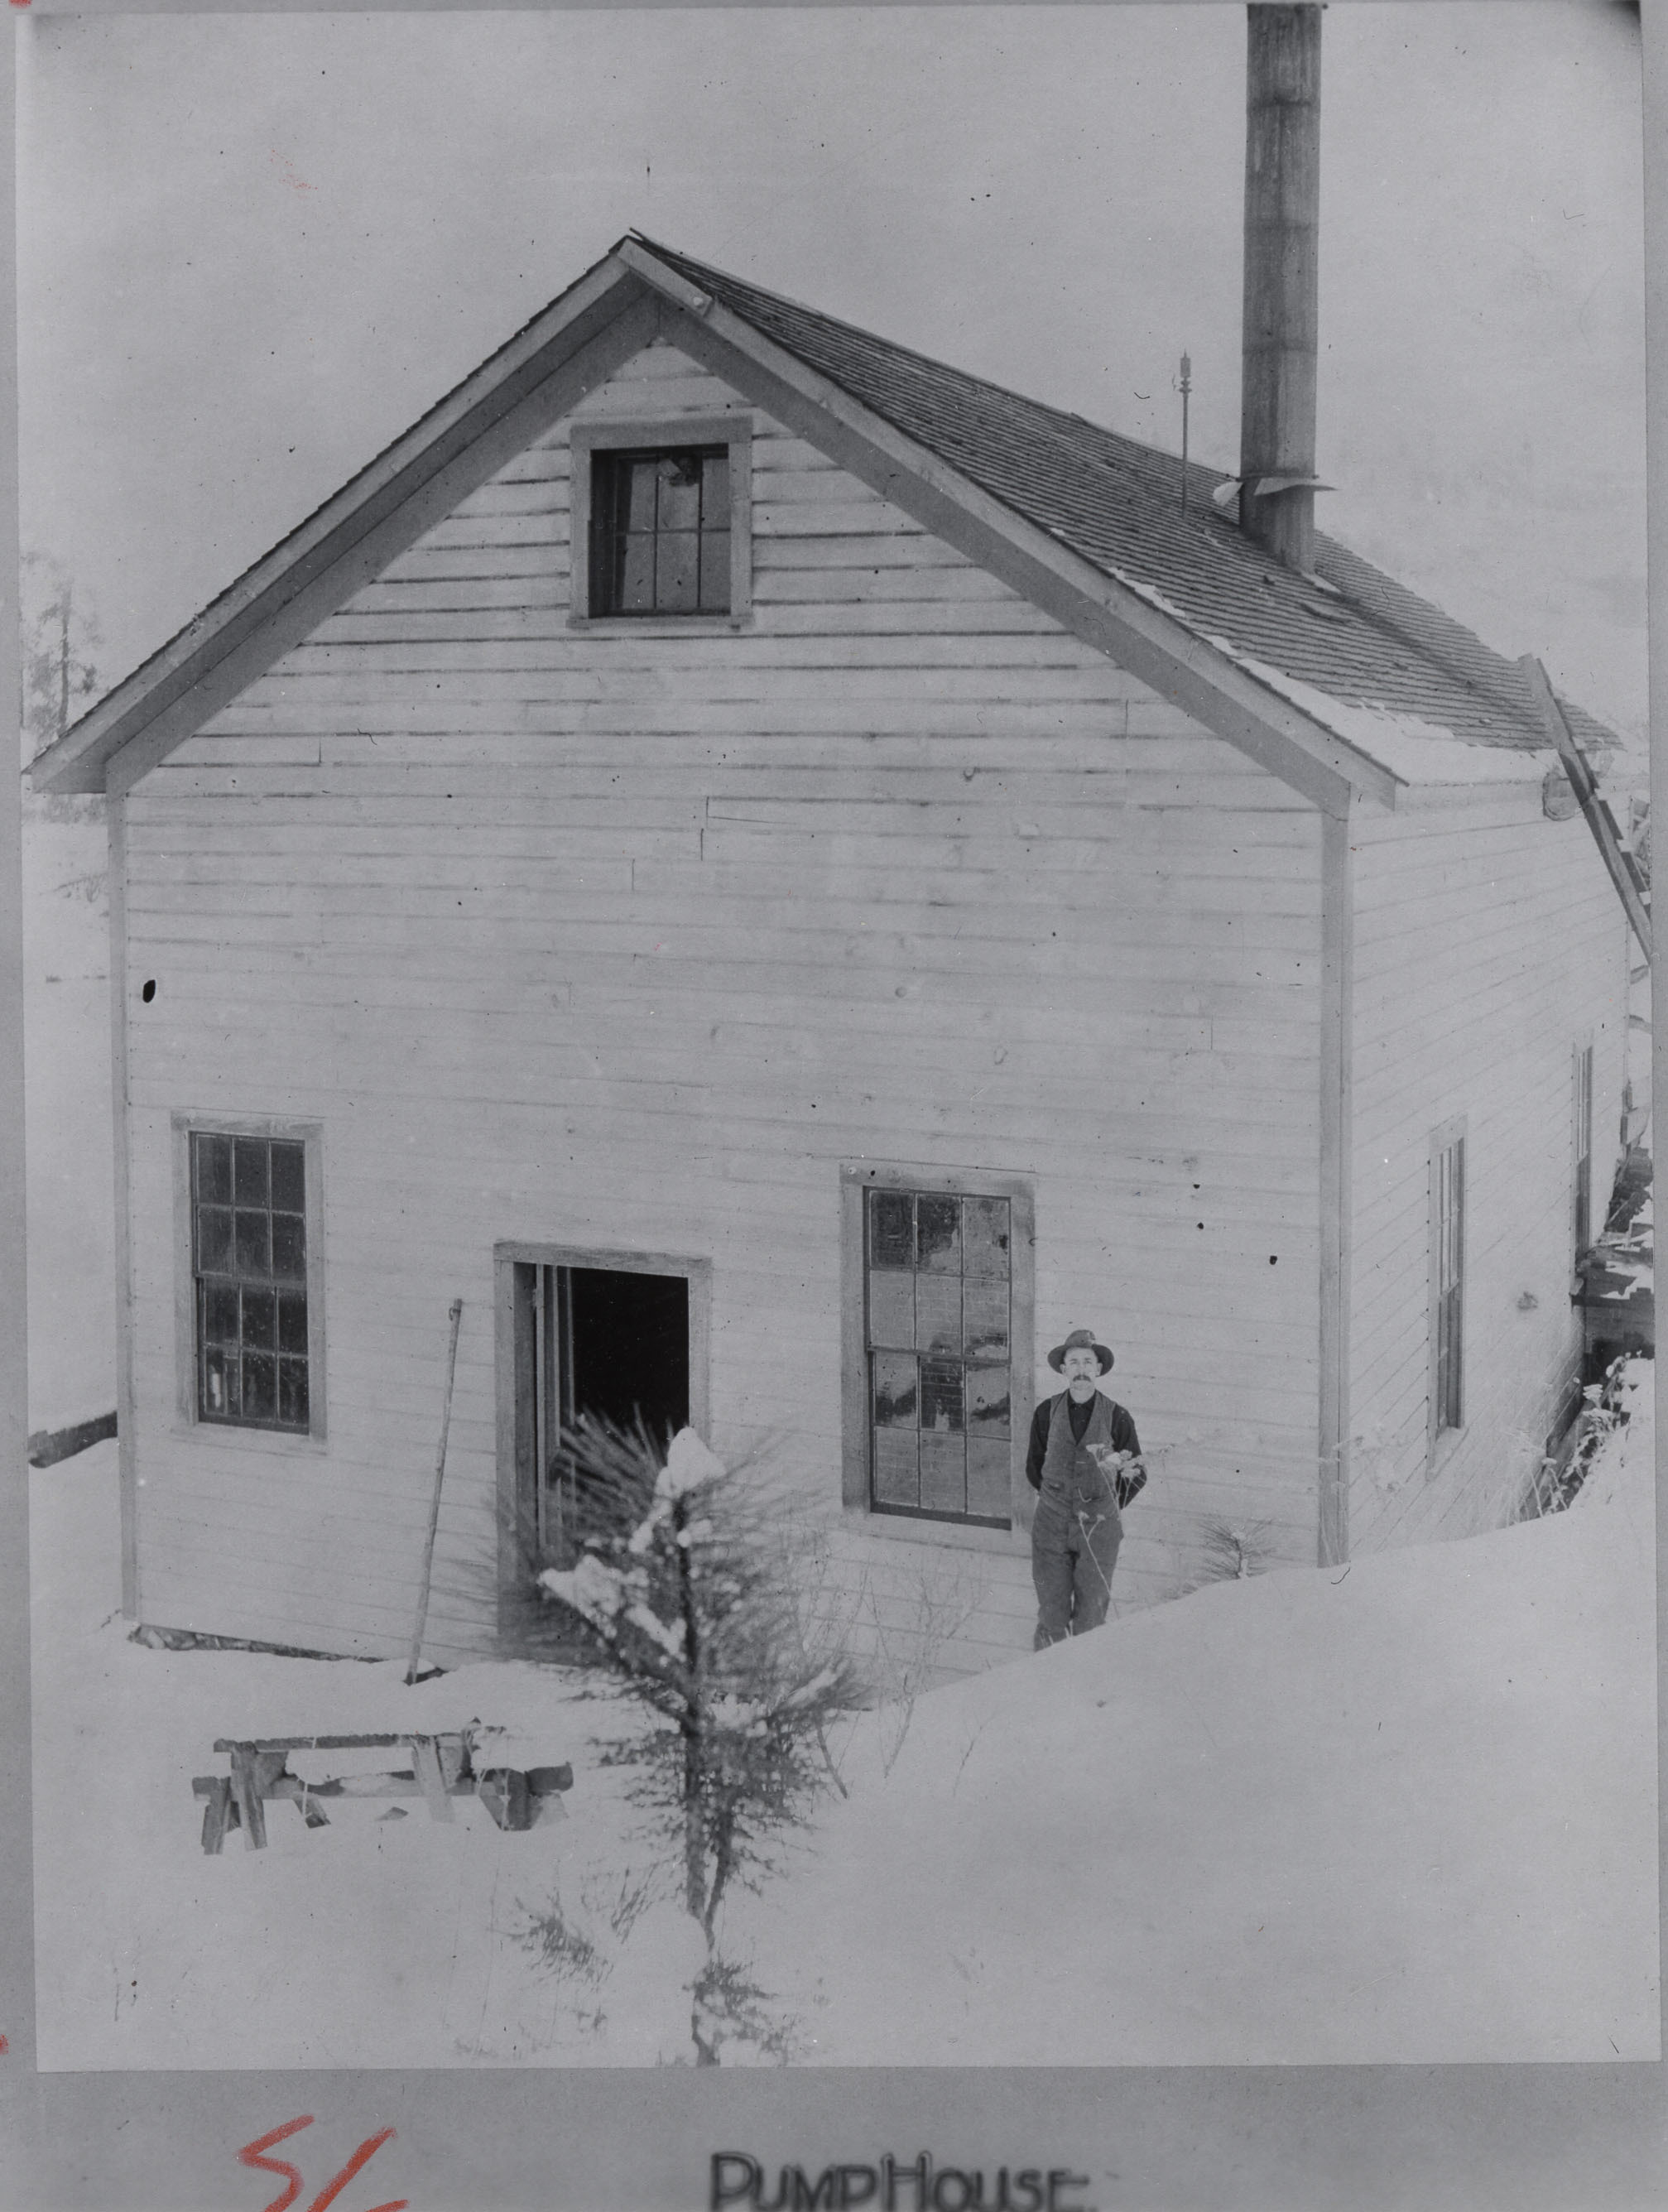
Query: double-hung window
x,y
251,1328
939,1347
660,521
1447,1280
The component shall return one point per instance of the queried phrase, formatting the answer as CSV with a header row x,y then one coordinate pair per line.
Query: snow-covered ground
x,y
1402,1813
371,1941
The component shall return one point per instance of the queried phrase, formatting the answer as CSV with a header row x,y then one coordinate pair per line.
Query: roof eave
x,y
169,687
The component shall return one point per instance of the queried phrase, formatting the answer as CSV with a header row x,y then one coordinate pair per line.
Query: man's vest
x,y
1071,1477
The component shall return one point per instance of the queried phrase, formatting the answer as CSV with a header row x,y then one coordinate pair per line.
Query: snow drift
x,y
1400,1812
1404,1812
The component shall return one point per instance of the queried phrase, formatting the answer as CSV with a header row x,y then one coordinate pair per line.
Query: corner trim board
x,y
121,1118
1336,965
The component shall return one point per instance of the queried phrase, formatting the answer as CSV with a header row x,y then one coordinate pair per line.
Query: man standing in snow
x,y
1085,1462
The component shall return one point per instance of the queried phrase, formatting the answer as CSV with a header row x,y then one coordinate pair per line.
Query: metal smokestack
x,y
1281,280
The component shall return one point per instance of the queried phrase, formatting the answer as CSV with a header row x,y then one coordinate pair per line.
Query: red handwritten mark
x,y
288,172
252,2155
4,2045
366,2151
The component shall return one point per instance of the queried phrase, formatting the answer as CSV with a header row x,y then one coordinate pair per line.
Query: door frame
x,y
696,1272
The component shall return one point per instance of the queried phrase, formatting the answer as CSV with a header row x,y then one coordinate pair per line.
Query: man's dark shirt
x,y
1124,1439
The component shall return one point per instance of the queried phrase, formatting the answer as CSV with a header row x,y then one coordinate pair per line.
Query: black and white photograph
x,y
837,942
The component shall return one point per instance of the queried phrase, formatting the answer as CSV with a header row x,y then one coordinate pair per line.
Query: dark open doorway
x,y
612,1344
628,1338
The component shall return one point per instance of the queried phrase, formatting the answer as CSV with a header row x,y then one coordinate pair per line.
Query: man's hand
x,y
1108,1460
1124,1471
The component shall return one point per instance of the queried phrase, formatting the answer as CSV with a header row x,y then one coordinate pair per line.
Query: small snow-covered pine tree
x,y
687,1584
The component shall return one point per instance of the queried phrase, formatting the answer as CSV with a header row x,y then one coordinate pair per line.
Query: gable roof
x,y
1343,680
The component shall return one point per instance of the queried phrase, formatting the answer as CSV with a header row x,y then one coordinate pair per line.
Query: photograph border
x,y
1562,2136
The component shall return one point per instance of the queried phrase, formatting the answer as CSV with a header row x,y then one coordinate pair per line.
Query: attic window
x,y
661,520
660,532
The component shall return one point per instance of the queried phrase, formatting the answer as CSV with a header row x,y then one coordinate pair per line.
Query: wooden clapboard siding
x,y
1487,945
626,937
899,1602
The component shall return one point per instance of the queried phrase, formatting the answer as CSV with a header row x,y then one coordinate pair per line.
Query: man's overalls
x,y
1077,1529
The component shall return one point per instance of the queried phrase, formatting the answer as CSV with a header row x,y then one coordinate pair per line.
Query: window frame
x,y
669,432
1581,1078
1444,1434
857,1179
310,1136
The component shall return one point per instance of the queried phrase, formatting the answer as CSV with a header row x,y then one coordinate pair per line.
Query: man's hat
x,y
1081,1340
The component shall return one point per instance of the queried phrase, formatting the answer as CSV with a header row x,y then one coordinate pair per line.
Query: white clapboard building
x,y
787,877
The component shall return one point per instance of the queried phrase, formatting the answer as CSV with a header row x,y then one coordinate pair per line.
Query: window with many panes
x,y
939,1347
660,531
1448,1278
249,1279
1583,1149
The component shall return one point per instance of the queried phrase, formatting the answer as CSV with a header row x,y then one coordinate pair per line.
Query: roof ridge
x,y
1391,609
684,262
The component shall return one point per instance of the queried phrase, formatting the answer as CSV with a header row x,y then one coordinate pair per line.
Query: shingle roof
x,y
1366,642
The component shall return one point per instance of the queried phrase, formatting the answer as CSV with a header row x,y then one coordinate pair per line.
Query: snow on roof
x,y
1413,748
1347,638
1415,751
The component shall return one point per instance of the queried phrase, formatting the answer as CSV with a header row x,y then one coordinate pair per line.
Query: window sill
x,y
659,625
287,1443
900,1528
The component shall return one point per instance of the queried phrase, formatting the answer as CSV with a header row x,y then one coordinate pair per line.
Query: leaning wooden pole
x,y
434,1502
1600,820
